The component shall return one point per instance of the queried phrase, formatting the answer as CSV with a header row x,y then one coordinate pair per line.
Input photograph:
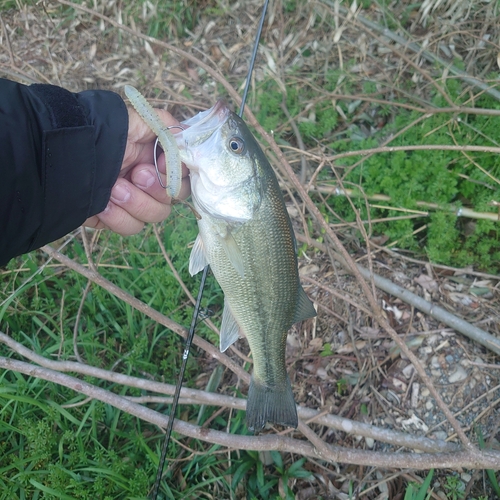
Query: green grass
x,y
168,19
93,450
53,448
447,178
165,20
67,453
7,4
419,492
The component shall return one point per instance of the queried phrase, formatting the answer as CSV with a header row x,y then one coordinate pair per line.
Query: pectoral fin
x,y
233,252
229,330
304,308
197,259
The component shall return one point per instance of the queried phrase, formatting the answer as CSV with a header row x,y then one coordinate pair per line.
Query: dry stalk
x,y
176,274
370,27
459,211
457,270
424,110
389,140
77,321
392,149
7,41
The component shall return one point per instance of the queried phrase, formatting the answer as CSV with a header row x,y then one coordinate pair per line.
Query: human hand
x,y
137,197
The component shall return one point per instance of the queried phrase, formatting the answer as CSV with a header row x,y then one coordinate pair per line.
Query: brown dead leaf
x,y
315,345
350,348
308,269
427,283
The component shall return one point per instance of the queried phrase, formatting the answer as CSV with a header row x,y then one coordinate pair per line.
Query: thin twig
x,y
304,167
393,149
7,41
176,274
77,321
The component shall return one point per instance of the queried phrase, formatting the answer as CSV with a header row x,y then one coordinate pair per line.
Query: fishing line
x,y
197,307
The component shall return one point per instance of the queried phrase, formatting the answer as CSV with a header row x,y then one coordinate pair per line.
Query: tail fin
x,y
270,404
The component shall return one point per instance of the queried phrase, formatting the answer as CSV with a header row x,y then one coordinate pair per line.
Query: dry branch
x,y
194,396
471,458
437,312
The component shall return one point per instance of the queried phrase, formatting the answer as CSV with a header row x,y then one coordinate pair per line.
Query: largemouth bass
x,y
246,236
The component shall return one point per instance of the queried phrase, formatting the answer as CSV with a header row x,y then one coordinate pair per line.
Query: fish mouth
x,y
219,112
200,127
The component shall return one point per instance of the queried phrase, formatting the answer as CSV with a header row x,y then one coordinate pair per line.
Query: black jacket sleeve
x,y
60,154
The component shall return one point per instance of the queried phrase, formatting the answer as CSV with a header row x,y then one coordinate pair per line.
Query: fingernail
x,y
120,193
144,179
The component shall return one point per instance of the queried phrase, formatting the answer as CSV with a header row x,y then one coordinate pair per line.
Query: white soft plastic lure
x,y
165,137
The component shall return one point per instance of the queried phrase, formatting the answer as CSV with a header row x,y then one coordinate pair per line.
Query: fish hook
x,y
155,156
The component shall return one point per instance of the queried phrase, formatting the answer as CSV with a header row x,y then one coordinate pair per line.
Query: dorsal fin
x,y
304,308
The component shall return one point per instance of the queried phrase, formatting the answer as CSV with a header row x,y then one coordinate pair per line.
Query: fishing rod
x,y
197,307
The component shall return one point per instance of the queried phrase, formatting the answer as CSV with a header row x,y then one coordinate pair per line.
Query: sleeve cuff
x,y
82,157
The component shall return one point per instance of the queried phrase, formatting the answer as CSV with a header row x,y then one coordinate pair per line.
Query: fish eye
x,y
237,145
